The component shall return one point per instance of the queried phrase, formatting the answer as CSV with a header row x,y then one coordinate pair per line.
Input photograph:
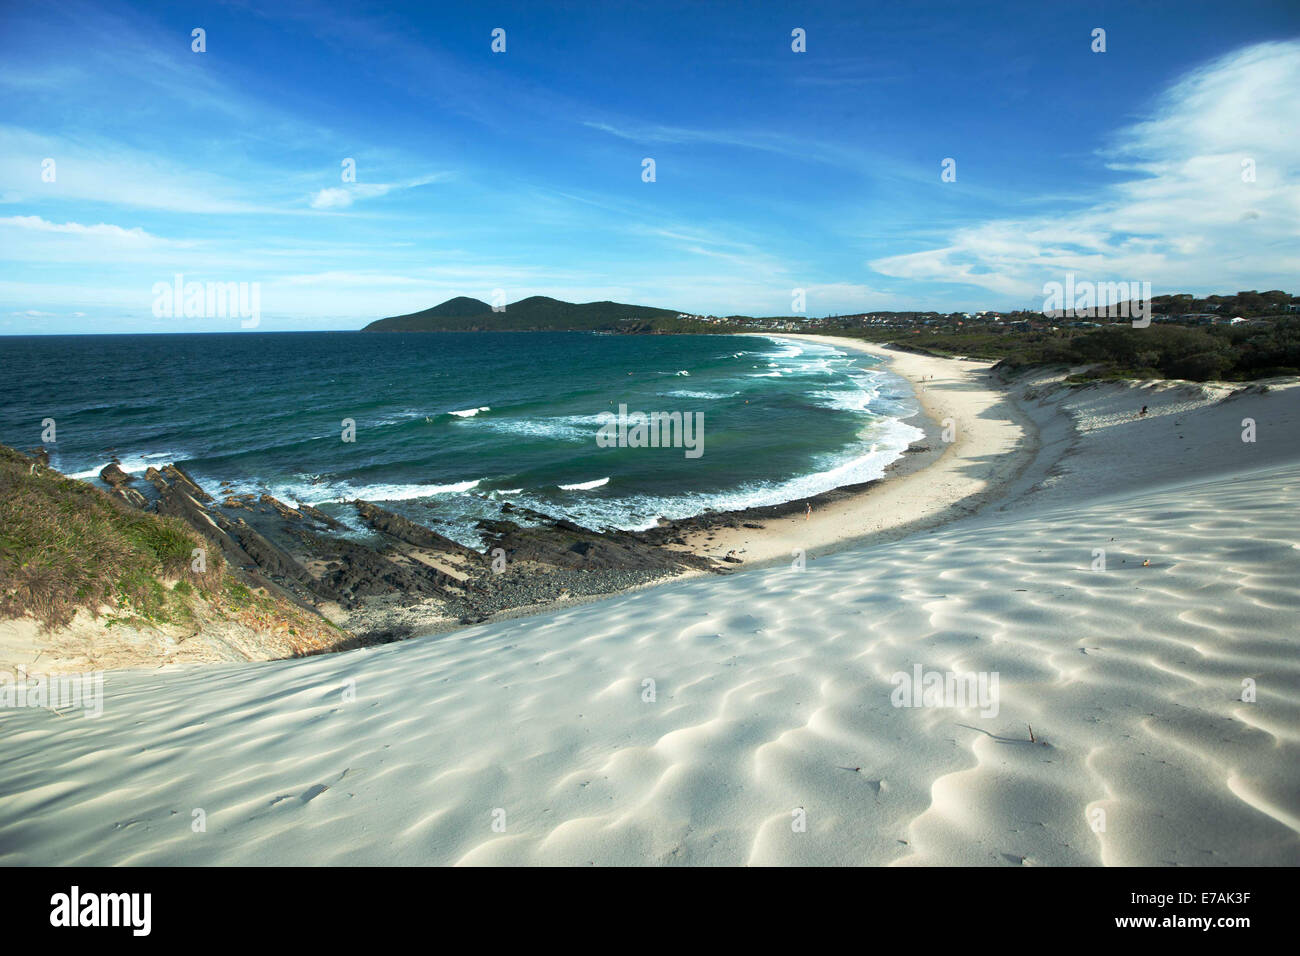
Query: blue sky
x,y
522,170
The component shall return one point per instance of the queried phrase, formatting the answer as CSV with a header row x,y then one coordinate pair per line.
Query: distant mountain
x,y
457,308
534,314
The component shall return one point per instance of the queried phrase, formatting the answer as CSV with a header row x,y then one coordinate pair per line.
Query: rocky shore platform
x,y
395,577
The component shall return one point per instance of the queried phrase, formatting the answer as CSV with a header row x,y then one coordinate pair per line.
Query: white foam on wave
x,y
586,485
561,427
401,417
307,490
883,441
688,393
861,393
817,366
787,349
385,492
135,465
471,412
845,400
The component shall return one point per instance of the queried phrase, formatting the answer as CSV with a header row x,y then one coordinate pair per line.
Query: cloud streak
x,y
1188,212
341,197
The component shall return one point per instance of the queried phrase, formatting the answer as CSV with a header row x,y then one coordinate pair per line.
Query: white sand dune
x,y
773,695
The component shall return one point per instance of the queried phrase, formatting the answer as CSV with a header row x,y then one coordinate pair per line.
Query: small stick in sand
x,y
1032,738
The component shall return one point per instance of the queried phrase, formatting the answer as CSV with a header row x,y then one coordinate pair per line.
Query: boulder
x,y
113,475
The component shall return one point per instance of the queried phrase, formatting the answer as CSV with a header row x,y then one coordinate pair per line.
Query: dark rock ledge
x,y
405,578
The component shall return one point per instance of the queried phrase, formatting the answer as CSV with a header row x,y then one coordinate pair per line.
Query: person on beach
x,y
808,515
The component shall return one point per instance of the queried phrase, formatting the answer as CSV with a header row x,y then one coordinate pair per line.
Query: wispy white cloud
x,y
802,148
1187,215
99,230
227,168
94,169
341,197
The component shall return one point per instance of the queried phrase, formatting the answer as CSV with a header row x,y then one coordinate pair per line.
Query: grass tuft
x,y
66,545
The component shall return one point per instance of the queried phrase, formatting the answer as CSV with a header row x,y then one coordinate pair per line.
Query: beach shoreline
x,y
1121,584
1135,605
934,481
295,552
930,484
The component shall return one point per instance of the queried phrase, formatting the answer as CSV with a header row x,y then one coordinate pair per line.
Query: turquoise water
x,y
449,425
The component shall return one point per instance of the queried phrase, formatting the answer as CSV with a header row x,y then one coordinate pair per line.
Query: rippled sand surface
x,y
771,737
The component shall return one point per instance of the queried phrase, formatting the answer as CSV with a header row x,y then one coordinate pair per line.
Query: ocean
x,y
448,426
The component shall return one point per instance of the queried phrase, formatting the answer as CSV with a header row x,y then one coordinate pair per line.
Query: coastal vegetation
x,y
66,545
1198,354
130,558
1240,337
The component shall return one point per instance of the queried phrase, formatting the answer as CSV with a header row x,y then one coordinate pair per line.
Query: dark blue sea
x,y
450,425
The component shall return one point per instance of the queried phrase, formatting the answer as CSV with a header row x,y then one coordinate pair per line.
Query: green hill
x,y
534,314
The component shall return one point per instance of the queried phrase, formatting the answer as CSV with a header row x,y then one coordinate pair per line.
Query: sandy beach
x,y
1122,585
729,435
976,441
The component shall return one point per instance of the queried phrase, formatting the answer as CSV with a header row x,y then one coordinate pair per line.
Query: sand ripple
x,y
536,741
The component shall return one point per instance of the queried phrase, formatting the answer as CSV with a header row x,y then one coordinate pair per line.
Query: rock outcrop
x,y
408,577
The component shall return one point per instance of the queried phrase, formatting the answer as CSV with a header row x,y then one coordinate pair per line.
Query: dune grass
x,y
66,545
